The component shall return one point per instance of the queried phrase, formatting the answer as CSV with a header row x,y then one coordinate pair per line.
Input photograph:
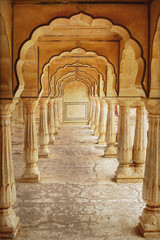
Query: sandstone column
x,y
30,151
93,114
20,114
51,127
102,122
97,114
150,219
9,222
140,141
124,153
56,116
12,125
111,148
43,129
59,111
90,113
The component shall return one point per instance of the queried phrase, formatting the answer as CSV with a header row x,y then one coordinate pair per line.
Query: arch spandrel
x,y
131,69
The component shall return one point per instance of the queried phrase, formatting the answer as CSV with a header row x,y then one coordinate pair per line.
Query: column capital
x,y
44,101
153,106
7,106
30,102
51,100
111,100
132,102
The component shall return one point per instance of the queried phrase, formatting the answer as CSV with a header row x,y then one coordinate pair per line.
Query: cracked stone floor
x,y
77,198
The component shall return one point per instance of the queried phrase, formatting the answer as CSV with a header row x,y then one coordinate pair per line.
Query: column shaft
x,y
97,115
51,124
56,116
140,141
150,219
9,222
93,114
20,114
30,151
102,123
124,153
43,129
111,148
90,113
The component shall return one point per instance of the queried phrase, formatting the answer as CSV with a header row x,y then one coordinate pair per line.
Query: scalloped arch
x,y
74,21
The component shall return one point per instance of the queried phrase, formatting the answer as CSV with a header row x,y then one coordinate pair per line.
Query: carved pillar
x,y
90,113
61,101
59,110
93,114
124,153
140,141
30,151
111,148
43,129
20,114
9,222
150,219
97,114
102,122
118,128
56,116
51,127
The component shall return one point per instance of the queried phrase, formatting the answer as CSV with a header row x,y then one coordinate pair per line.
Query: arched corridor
x,y
76,198
79,119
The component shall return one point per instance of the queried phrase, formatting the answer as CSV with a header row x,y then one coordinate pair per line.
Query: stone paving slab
x,y
77,198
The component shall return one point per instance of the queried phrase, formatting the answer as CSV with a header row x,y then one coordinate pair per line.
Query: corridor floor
x,y
77,198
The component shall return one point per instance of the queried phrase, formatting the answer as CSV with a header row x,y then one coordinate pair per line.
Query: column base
x,y
20,126
110,151
44,152
92,127
149,225
96,133
31,174
51,138
9,224
56,130
129,174
102,139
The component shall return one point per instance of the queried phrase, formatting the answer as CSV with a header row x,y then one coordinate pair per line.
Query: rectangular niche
x,y
76,111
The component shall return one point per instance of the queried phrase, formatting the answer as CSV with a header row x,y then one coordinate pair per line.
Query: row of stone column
x,y
132,161
49,122
48,126
119,145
